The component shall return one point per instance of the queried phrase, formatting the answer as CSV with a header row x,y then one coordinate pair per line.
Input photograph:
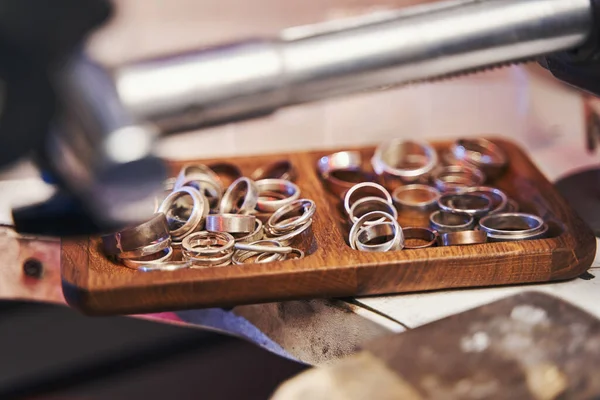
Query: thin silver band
x,y
231,223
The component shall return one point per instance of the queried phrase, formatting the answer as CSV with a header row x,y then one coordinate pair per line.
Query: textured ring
x,y
203,243
421,197
240,187
365,188
429,236
463,238
473,204
289,190
231,223
444,222
130,239
408,160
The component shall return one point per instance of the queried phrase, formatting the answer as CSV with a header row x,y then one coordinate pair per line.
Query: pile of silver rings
x,y
253,220
450,188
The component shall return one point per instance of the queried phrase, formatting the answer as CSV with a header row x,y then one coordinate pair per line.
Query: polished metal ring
x,y
231,223
137,263
445,222
289,237
420,197
457,176
199,211
147,250
241,188
362,190
340,181
473,204
513,226
286,219
407,160
282,169
343,160
241,256
463,238
208,243
263,249
289,191
191,173
208,261
377,232
429,236
480,152
365,205
154,230
396,243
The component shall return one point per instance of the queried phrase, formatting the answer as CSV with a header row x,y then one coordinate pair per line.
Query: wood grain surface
x,y
96,285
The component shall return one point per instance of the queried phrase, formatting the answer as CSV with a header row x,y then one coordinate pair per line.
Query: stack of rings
x,y
199,224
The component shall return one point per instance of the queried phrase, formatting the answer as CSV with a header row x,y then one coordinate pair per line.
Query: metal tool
x,y
102,149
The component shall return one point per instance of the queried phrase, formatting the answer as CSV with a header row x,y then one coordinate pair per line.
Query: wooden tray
x,y
95,285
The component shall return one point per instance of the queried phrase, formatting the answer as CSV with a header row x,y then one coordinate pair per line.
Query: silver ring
x,y
463,238
371,232
135,264
445,222
479,152
150,249
263,249
170,266
289,190
287,238
474,204
197,172
282,169
457,176
240,256
513,226
343,160
408,160
130,239
429,236
230,223
397,243
240,187
198,213
367,188
277,223
497,196
269,257
256,234
368,204
416,196
208,243
208,261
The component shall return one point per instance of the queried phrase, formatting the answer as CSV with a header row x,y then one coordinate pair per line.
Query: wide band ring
x,y
130,239
231,223
396,243
513,226
289,190
418,197
429,236
445,222
340,181
463,238
256,234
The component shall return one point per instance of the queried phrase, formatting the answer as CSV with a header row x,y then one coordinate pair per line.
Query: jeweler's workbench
x,y
546,119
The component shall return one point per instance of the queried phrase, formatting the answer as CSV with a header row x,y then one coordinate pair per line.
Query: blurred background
x,y
53,352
